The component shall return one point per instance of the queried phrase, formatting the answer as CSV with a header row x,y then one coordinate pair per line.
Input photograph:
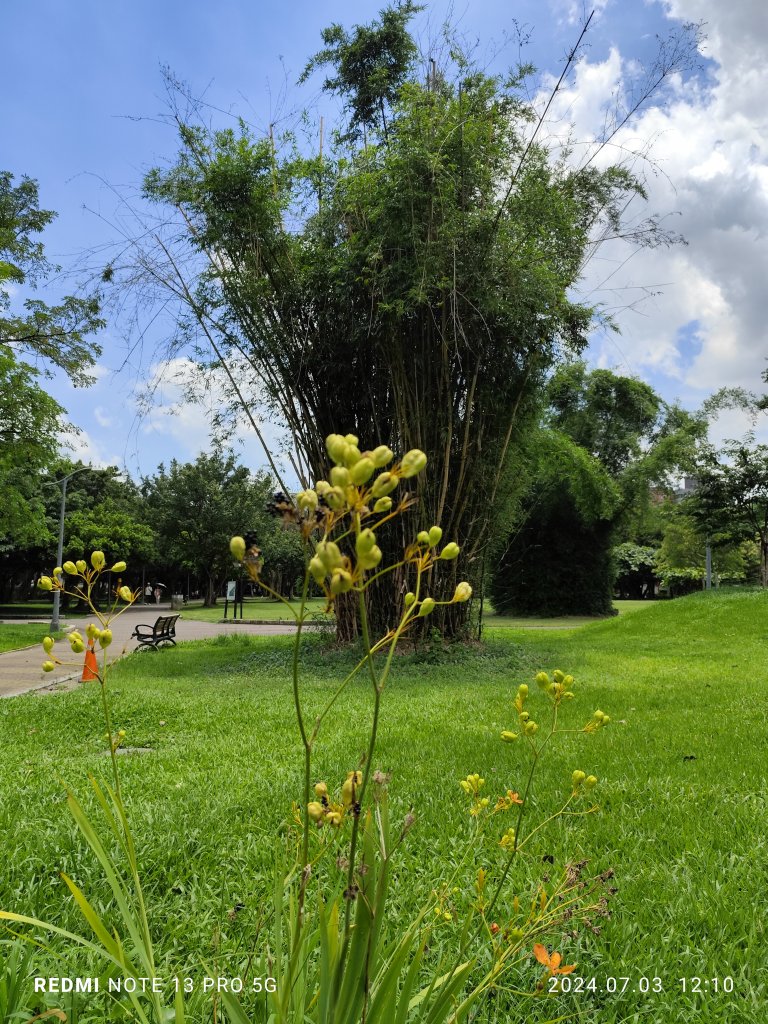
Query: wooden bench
x,y
163,631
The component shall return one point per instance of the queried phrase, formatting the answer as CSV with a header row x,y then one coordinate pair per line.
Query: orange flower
x,y
551,961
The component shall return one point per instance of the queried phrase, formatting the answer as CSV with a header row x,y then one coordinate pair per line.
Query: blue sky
x,y
82,105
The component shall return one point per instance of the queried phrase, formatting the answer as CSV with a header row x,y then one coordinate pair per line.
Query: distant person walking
x,y
158,595
147,593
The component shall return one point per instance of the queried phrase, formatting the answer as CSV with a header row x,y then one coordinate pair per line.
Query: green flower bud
x,y
125,593
340,476
590,782
542,680
427,606
329,554
307,500
450,551
365,540
508,737
77,646
341,581
384,483
322,487
351,439
434,536
315,810
70,567
118,567
370,559
317,569
412,463
577,778
98,561
92,631
523,690
422,537
463,592
48,666
237,548
105,637
45,583
409,598
81,565
57,571
530,728
381,456
48,644
383,505
362,471
558,676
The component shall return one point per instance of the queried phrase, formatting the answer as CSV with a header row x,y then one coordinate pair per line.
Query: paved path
x,y
21,671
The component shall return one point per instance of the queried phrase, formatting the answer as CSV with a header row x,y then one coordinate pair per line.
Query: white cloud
x,y
89,450
710,148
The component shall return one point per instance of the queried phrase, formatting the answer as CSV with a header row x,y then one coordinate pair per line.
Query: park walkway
x,y
21,671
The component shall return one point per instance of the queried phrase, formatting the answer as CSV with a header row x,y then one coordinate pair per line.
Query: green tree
x,y
414,284
731,499
56,333
197,506
607,444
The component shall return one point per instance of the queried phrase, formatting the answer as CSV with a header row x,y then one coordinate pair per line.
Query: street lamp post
x,y
60,552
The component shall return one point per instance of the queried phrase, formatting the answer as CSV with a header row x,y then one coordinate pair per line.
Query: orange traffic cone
x,y
91,666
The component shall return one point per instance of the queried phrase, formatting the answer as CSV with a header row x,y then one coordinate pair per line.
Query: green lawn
x,y
491,619
13,636
683,791
253,608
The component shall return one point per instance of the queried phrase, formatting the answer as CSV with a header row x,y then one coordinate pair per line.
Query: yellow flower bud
x,y
237,548
590,782
340,476
341,581
409,598
523,690
45,583
307,500
530,728
364,541
412,463
92,631
351,439
336,446
48,666
558,676
422,537
381,456
118,567
315,810
48,644
384,484
321,790
329,554
70,567
508,736
80,565
542,680
450,551
577,778
427,606
463,592
383,505
98,561
362,471
322,487
351,454
77,645
125,593
57,571
335,498
435,535
105,637
122,734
